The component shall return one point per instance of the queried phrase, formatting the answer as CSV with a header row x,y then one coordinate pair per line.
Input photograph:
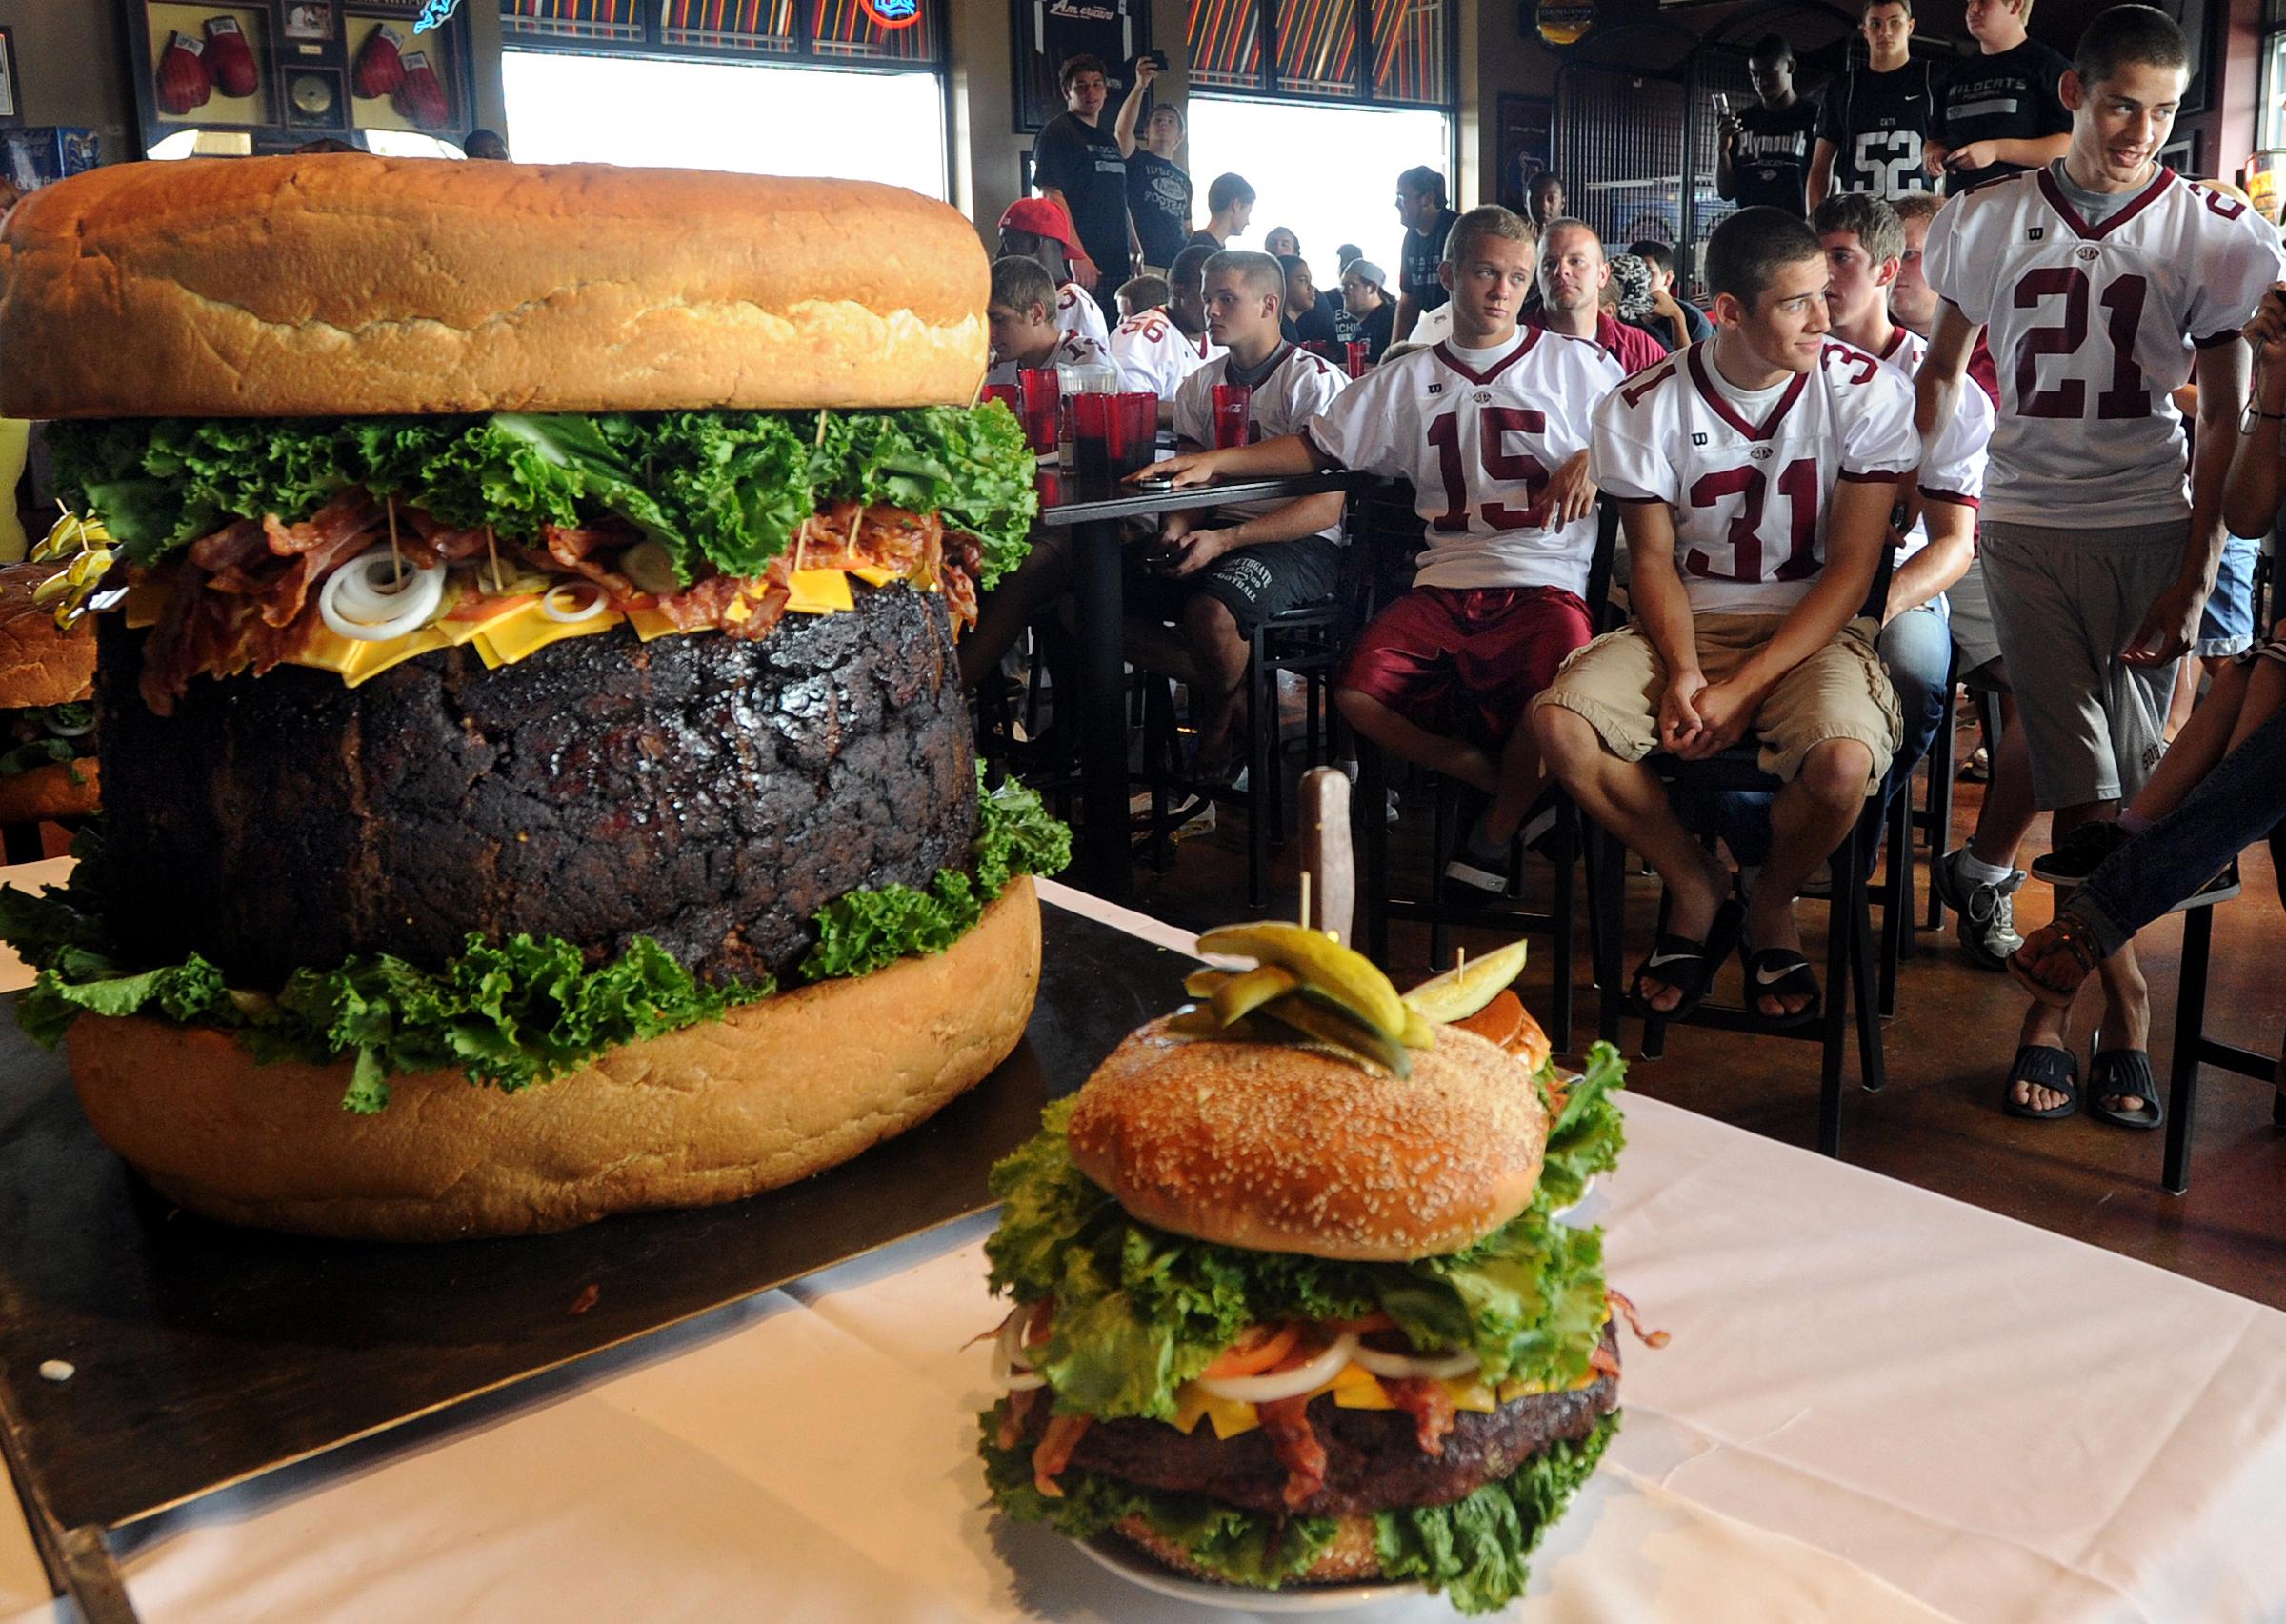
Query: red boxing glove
x,y
421,98
380,70
229,61
183,84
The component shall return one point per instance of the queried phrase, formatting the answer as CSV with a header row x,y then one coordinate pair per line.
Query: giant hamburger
x,y
534,668
47,706
1293,1305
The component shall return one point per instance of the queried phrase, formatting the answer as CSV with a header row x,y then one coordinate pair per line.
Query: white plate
x,y
1584,1211
1134,1565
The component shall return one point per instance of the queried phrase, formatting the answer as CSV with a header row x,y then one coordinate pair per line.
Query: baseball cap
x,y
1366,271
1042,217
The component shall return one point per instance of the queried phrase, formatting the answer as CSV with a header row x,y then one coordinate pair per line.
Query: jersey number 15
x,y
1495,424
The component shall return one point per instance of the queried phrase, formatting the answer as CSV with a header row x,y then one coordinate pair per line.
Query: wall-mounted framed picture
x,y
1527,147
11,100
1044,32
308,20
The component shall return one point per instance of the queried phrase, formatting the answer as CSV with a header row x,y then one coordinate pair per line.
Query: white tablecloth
x,y
1878,1404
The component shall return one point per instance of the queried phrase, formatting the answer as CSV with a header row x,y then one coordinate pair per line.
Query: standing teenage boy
x,y
2002,111
1492,429
1877,118
2096,279
1755,475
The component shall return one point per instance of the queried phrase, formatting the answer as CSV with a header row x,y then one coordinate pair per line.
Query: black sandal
x,y
1687,966
2125,1072
1781,972
2046,1067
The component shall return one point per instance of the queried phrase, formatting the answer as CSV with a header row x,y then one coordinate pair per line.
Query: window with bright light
x,y
749,117
1327,173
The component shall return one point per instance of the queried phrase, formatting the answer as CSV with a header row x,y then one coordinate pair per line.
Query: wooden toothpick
x,y
396,559
1305,899
492,547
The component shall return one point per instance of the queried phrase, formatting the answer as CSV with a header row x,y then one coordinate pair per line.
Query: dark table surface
x,y
207,1354
1102,847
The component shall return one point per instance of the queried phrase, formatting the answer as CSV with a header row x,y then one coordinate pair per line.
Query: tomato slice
x,y
1256,1351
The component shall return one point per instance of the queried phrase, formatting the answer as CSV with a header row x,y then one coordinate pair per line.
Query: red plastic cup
x,y
1134,431
1358,357
1093,419
1040,394
1008,395
1234,405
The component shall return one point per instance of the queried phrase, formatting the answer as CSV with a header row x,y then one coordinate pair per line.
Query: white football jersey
x,y
1749,493
1077,311
1153,354
2092,327
1298,388
1954,471
1072,349
1478,435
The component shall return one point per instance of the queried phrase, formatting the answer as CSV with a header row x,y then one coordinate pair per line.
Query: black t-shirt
x,y
1083,162
1771,161
1877,123
1313,325
1418,262
1158,196
2014,96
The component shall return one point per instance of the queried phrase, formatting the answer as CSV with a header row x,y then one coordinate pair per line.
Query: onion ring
x,y
572,616
1435,1367
354,605
1286,1384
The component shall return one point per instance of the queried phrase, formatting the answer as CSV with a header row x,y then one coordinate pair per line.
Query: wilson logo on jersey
x,y
1698,439
2035,234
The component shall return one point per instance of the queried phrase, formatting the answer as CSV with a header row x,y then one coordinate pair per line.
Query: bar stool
x,y
2193,1048
1851,959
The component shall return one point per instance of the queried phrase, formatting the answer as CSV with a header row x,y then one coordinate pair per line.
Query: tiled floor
x,y
1938,1124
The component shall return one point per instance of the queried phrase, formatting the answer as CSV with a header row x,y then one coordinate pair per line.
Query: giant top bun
x,y
339,284
1286,1150
40,664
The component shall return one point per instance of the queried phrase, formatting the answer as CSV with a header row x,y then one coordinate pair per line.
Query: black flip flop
x,y
2124,1072
1781,972
2047,1067
1686,966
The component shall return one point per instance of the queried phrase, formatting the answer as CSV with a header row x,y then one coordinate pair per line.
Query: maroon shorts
x,y
1464,663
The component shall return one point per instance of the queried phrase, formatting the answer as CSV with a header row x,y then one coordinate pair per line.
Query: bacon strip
x,y
1634,1321
1285,1423
1015,1410
1430,1404
1054,1453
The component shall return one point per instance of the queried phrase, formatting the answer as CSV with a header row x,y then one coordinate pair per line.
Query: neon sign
x,y
892,13
436,13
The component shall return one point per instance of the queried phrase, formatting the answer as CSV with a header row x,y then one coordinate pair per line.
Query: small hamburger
x,y
1289,1313
46,707
534,667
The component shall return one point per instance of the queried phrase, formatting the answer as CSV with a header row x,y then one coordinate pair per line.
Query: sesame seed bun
x,y
1287,1150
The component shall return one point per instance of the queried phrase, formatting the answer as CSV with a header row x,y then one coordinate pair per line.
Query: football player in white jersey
x,y
1755,472
1021,314
1492,428
2096,279
1218,573
1037,227
1149,350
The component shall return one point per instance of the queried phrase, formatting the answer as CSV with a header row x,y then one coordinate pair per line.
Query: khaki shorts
x,y
1838,692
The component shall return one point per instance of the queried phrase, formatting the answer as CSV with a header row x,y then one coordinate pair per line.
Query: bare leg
x,y
2128,1002
1217,658
2008,810
1521,778
1046,573
1809,818
1455,758
1627,798
2183,700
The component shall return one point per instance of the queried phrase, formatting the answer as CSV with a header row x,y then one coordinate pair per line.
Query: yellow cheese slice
x,y
874,575
818,592
650,623
371,659
523,632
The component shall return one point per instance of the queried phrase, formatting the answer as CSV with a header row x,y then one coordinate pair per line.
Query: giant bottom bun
x,y
777,1091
